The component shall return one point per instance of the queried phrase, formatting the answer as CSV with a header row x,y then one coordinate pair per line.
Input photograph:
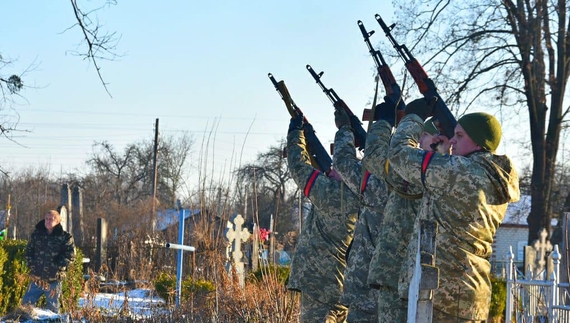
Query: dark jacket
x,y
49,255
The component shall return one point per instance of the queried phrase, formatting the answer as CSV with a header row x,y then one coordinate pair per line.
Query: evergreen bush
x,y
281,273
14,278
165,286
498,299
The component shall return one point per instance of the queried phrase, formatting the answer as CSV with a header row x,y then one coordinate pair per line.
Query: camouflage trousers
x,y
391,308
439,316
356,315
364,309
314,311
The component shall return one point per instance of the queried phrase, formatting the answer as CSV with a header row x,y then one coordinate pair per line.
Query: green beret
x,y
430,128
483,128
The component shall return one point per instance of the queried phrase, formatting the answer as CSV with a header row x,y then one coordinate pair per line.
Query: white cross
x,y
235,235
542,246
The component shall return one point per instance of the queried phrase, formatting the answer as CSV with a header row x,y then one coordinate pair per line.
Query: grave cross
x,y
542,247
236,234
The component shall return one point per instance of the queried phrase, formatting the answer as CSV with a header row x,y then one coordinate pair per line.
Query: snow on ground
x,y
141,303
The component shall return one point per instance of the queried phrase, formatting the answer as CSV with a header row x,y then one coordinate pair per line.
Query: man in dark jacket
x,y
48,254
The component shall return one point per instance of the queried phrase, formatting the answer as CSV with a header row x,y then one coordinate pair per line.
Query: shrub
x,y
72,286
200,286
165,286
281,273
498,299
14,278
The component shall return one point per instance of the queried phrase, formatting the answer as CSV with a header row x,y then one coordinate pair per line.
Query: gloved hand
x,y
296,123
385,111
421,107
341,118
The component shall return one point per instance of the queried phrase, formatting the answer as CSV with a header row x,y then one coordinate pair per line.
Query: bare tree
x,y
121,172
33,192
268,174
512,55
98,44
174,153
127,177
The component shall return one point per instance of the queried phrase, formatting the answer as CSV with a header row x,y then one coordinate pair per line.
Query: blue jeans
x,y
51,290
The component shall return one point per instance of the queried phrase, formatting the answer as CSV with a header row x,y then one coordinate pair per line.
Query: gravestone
x,y
255,248
65,209
101,252
77,216
235,233
536,257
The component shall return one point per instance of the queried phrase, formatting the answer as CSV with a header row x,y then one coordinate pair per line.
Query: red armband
x,y
428,156
311,182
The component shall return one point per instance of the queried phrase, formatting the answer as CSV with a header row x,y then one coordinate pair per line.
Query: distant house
x,y
167,218
167,223
513,232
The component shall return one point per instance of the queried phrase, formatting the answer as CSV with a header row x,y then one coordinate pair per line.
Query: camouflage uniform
x,y
47,257
387,268
467,197
317,268
357,294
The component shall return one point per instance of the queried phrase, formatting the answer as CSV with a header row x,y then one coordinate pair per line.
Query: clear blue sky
x,y
192,65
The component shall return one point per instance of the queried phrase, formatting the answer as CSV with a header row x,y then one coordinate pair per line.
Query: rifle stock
x,y
338,103
320,159
445,119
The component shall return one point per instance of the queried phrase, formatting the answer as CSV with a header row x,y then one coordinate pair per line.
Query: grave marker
x,y
235,233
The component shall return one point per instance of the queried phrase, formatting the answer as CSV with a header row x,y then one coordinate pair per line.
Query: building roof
x,y
517,212
170,217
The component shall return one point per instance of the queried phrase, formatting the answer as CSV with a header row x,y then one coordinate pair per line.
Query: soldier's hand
x,y
341,118
421,107
385,111
296,123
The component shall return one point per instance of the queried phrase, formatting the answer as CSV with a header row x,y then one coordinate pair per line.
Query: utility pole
x,y
7,222
154,177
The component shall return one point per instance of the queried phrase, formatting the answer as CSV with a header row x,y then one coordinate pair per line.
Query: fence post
x,y
425,277
556,273
510,264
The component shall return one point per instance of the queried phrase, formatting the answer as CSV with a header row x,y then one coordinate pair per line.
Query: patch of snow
x,y
137,303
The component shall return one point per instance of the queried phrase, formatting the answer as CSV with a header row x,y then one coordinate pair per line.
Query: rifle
x,y
359,132
320,159
393,91
426,85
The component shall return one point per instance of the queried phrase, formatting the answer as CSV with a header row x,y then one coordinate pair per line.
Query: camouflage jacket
x,y
49,255
387,266
467,197
373,193
319,262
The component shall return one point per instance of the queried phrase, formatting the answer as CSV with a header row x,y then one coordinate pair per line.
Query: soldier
x,y
387,270
466,194
48,254
317,268
362,300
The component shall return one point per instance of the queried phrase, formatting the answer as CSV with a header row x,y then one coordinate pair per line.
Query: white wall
x,y
506,237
